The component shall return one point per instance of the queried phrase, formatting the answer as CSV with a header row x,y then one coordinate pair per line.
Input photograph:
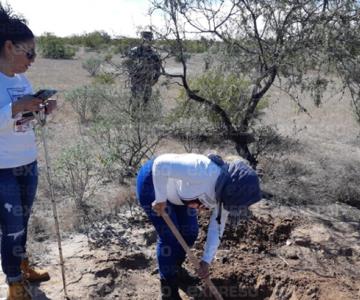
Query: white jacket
x,y
189,177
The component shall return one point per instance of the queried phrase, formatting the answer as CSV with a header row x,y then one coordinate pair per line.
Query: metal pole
x,y
191,256
52,196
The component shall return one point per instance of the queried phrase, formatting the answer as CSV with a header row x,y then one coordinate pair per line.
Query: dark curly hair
x,y
12,27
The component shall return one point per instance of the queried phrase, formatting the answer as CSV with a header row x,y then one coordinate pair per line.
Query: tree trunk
x,y
243,150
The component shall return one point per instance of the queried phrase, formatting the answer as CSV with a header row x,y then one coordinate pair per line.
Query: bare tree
x,y
290,43
126,135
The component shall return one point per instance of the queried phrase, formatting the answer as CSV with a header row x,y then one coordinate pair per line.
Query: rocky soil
x,y
277,254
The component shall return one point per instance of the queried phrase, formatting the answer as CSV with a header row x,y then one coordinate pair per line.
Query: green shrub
x,y
262,104
74,168
190,46
108,57
125,44
96,40
126,134
196,46
229,91
54,47
86,101
195,123
104,78
186,57
92,65
74,40
76,174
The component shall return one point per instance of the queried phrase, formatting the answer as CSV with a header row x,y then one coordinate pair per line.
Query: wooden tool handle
x,y
191,256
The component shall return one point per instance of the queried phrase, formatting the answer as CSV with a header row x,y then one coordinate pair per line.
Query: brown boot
x,y
18,291
32,274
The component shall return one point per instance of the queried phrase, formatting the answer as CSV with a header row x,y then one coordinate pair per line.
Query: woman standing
x,y
18,153
181,184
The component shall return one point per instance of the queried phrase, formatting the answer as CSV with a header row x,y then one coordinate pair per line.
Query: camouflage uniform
x,y
143,66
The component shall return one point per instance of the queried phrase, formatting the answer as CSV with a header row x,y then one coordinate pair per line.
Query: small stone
x,y
346,252
224,260
312,290
150,237
302,242
155,271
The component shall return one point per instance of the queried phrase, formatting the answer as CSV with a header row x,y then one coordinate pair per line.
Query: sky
x,y
67,17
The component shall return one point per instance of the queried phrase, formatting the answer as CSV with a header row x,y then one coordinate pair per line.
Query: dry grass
x,y
313,159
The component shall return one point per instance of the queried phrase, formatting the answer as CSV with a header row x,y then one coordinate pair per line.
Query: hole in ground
x,y
241,287
135,261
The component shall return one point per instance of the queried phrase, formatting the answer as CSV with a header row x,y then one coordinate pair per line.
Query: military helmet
x,y
147,35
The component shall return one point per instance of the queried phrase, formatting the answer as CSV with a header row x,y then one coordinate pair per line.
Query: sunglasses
x,y
30,54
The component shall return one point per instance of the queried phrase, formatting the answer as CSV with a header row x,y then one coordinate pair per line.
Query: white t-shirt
x,y
17,138
189,177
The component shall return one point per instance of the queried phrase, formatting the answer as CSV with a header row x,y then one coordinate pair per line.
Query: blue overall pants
x,y
170,254
17,193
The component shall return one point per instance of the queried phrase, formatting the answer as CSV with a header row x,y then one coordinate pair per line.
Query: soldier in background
x,y
143,65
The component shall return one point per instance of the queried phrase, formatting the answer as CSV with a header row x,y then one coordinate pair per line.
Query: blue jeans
x,y
17,193
170,254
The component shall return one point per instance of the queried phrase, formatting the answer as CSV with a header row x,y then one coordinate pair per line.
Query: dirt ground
x,y
300,250
277,254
